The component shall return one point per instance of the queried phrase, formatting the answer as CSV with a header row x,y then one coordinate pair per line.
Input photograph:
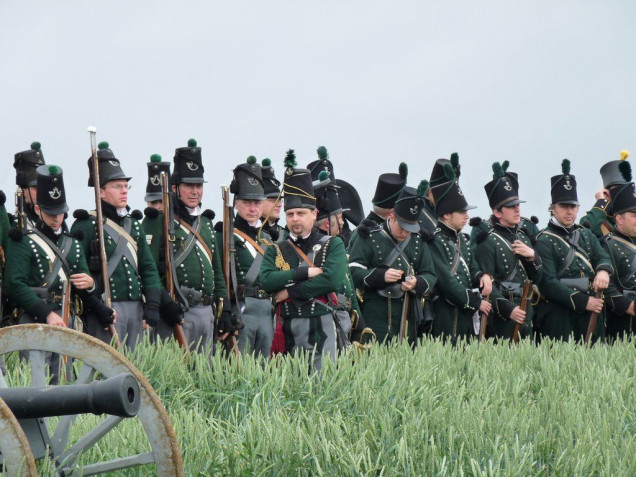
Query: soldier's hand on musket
x,y
602,194
55,319
226,325
630,309
601,280
314,271
409,283
485,284
82,281
281,295
392,275
520,248
518,315
485,307
595,305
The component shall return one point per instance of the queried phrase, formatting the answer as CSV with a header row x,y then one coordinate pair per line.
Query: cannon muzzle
x,y
118,396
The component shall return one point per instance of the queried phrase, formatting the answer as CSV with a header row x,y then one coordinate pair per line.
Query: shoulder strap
x,y
125,244
512,274
201,241
56,255
398,248
185,251
573,250
249,240
632,268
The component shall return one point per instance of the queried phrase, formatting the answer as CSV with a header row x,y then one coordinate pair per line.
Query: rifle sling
x,y
309,262
255,268
178,260
573,250
398,249
126,245
182,254
632,269
59,252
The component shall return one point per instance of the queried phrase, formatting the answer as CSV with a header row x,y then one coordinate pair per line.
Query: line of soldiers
x,y
329,277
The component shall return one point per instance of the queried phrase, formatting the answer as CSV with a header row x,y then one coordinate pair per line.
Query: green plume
x,y
192,143
267,162
290,159
323,176
454,160
565,166
322,153
36,146
505,166
155,158
422,189
251,160
403,170
449,172
497,170
102,145
626,170
53,170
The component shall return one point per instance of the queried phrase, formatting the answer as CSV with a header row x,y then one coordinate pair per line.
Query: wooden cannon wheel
x,y
95,357
14,446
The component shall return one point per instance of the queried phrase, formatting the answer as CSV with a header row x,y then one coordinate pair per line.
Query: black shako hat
x,y
409,205
322,164
438,176
25,164
50,185
271,185
109,167
623,196
389,187
153,186
247,183
503,189
448,196
563,186
610,172
298,190
327,197
188,165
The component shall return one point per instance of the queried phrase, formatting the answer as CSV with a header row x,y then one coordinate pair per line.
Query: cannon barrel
x,y
118,396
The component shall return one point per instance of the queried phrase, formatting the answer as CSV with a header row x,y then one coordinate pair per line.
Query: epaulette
x,y
11,217
466,236
481,236
218,227
366,227
208,214
151,212
534,219
475,221
136,214
586,224
3,198
16,234
426,235
81,214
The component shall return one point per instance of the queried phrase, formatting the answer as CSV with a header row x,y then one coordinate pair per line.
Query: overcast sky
x,y
377,83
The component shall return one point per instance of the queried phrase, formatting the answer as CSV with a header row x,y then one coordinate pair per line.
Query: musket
x,y
482,326
592,324
527,286
103,261
169,237
405,312
228,256
66,315
19,207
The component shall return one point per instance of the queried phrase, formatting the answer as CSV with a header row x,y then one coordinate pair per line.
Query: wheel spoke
x,y
86,374
37,359
118,464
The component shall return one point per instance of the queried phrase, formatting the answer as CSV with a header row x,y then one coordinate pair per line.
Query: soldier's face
x,y
456,220
190,194
30,195
396,229
626,223
53,221
249,210
301,221
271,208
115,193
508,216
333,225
565,214
155,204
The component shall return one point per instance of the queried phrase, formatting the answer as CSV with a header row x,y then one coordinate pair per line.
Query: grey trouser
x,y
198,328
52,360
315,335
129,324
258,333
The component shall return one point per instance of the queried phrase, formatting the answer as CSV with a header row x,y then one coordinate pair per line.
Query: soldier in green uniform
x,y
428,217
196,262
620,245
574,267
154,193
44,260
393,268
456,299
131,269
272,203
250,243
305,272
25,164
505,252
599,219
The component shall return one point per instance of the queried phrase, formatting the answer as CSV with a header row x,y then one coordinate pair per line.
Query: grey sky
x,y
375,82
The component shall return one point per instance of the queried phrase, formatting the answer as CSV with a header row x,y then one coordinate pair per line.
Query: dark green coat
x,y
125,284
370,221
528,226
595,217
302,290
454,302
561,311
495,257
367,263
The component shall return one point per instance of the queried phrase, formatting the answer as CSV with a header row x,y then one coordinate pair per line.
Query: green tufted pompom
x,y
449,172
290,159
53,170
322,152
251,160
454,160
267,162
497,170
565,166
102,145
626,170
403,170
323,176
422,189
505,166
155,158
192,143
36,146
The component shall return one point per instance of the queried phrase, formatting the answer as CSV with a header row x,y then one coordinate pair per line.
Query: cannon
x,y
57,423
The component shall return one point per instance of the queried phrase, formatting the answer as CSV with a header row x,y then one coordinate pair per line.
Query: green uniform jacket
x,y
495,257
27,266
371,221
595,218
528,226
125,284
454,302
622,252
367,263
561,311
303,290
198,271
